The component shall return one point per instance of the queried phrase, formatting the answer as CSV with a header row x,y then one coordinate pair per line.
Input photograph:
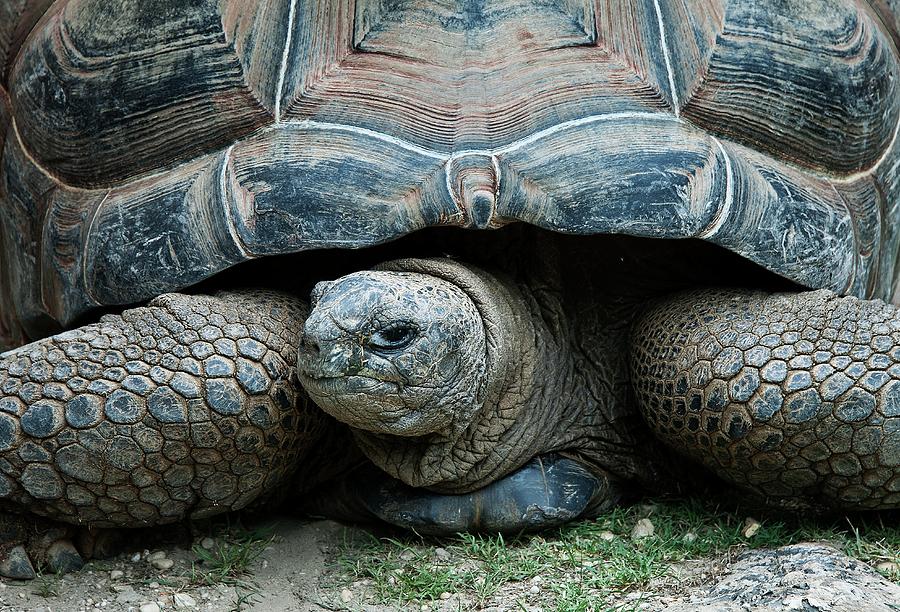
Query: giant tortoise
x,y
712,192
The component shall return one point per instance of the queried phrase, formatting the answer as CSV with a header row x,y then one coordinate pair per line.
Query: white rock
x,y
135,557
183,600
346,595
751,526
441,553
162,564
607,536
445,595
689,538
159,554
642,529
116,574
207,543
149,607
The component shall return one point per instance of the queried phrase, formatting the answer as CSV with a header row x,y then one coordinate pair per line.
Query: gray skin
x,y
451,378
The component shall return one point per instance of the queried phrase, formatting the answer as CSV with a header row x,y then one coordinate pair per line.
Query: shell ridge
x,y
282,71
887,153
663,43
724,211
227,212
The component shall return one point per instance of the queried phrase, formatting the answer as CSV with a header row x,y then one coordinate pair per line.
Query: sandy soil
x,y
288,573
297,572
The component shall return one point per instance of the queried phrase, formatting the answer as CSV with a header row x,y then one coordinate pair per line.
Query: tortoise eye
x,y
394,337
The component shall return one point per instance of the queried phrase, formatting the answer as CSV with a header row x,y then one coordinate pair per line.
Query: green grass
x,y
229,560
46,585
581,567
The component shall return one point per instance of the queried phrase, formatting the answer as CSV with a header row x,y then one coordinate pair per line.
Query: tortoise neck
x,y
505,427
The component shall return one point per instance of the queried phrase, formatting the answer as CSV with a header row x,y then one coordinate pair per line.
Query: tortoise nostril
x,y
310,345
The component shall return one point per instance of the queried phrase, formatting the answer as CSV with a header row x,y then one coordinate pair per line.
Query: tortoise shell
x,y
148,144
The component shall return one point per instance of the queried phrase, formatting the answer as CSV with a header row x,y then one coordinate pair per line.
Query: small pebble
x,y
407,555
150,607
445,595
346,595
162,564
207,543
689,538
535,589
642,529
183,600
751,526
607,536
159,554
116,574
888,567
441,553
135,557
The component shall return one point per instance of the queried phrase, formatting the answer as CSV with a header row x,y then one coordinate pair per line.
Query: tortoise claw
x,y
62,557
16,564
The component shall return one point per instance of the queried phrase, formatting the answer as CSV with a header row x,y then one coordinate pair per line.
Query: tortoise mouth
x,y
354,399
348,383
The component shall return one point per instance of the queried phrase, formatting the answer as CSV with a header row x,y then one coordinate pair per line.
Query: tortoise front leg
x,y
793,397
546,492
187,407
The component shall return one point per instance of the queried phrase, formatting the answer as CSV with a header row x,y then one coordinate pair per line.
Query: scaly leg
x,y
187,407
792,397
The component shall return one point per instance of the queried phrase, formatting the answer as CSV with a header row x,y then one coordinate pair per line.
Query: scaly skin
x,y
792,397
184,408
496,374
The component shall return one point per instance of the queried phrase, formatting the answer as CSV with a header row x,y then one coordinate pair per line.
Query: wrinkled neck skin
x,y
540,394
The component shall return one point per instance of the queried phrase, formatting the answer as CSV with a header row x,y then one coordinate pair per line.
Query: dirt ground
x,y
288,574
297,571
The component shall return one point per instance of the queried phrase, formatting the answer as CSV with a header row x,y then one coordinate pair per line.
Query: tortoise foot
x,y
547,492
16,564
29,543
63,557
101,543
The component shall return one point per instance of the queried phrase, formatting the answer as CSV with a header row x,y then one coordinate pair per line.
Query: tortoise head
x,y
394,352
